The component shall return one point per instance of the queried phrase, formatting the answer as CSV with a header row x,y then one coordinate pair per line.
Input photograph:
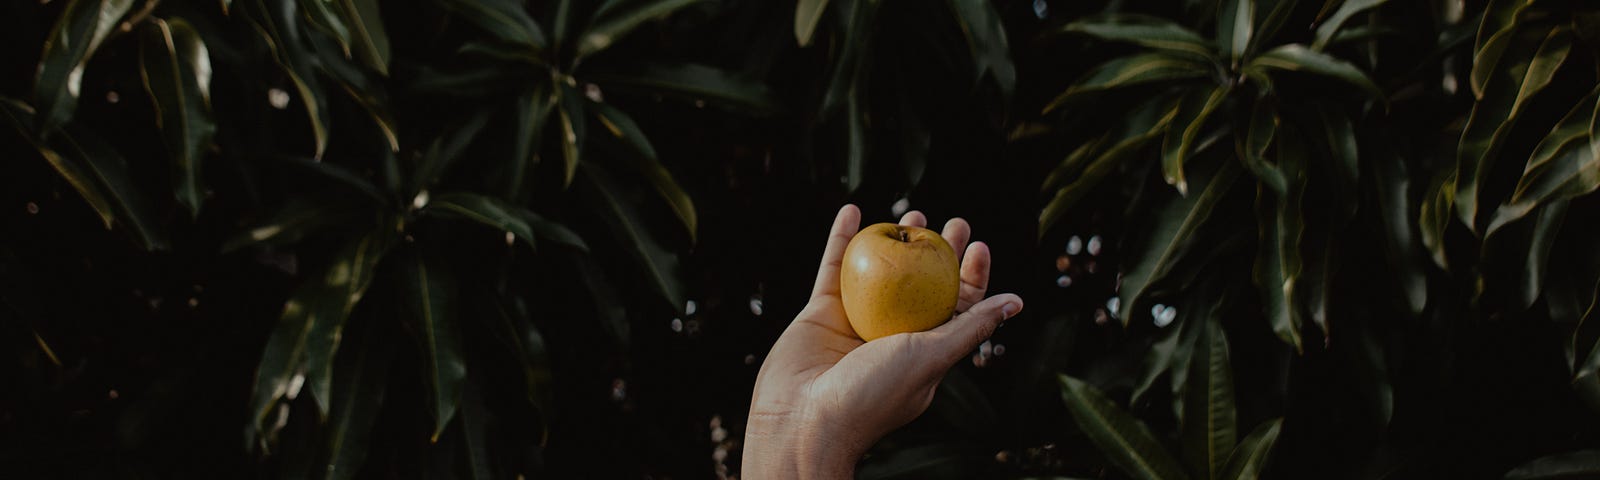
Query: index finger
x,y
845,226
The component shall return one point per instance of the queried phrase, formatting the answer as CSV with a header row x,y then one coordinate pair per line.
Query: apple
x,y
897,278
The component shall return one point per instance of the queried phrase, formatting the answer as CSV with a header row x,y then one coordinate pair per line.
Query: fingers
x,y
949,343
845,226
957,232
914,219
974,276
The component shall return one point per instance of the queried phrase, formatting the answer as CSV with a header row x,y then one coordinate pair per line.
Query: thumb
x,y
956,338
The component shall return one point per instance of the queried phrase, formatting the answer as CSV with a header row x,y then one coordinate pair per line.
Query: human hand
x,y
824,396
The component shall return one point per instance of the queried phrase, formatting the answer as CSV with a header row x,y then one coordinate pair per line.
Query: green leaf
x,y
569,109
986,42
531,111
1073,162
1338,139
507,20
1298,58
1278,13
474,429
806,15
621,126
369,39
1496,29
503,216
1172,233
1250,457
430,293
616,23
1252,147
1330,26
524,338
660,265
1143,30
1434,215
176,69
320,14
856,149
339,175
1179,141
1123,439
1579,464
1563,165
696,82
1235,24
1170,353
301,349
296,220
360,384
277,27
1209,424
855,47
1278,263
21,118
1505,97
1393,185
449,146
109,170
1132,70
1586,375
1143,126
82,27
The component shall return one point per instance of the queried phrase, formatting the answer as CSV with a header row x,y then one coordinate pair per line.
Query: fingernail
x,y
1008,309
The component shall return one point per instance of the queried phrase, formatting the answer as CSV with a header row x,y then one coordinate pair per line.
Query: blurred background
x,y
555,239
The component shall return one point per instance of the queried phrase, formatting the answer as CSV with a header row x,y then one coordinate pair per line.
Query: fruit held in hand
x,y
898,279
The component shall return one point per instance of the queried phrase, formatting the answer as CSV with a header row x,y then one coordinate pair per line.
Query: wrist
x,y
779,446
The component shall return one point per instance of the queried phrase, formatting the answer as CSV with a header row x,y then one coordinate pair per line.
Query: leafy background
x,y
497,238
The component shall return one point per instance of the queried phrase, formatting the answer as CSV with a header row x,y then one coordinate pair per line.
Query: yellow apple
x,y
898,279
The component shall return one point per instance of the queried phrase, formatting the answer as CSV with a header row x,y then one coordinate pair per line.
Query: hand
x,y
824,396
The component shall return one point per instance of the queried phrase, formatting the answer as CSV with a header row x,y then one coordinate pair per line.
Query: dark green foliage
x,y
552,238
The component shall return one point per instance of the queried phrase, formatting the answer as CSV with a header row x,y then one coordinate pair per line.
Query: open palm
x,y
824,395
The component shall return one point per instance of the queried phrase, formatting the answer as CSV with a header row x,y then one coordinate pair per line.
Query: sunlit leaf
x,y
1250,457
430,293
82,27
1143,30
1505,97
1434,217
1132,70
1331,25
369,39
1495,31
1123,439
301,349
610,25
806,15
176,69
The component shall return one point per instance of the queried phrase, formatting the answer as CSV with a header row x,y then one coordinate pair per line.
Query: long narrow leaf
x,y
1210,428
696,82
1123,439
504,216
1579,464
1143,30
1142,126
21,117
360,386
574,125
109,170
1235,26
610,26
369,39
1250,457
431,295
1129,71
1171,236
176,69
1330,26
1505,97
507,20
659,264
807,13
986,41
1563,165
82,27
301,349
1298,58
1179,141
622,127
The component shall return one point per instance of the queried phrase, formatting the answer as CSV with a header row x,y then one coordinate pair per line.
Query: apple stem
x,y
905,236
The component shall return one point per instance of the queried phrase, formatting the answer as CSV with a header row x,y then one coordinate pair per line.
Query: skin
x,y
824,396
